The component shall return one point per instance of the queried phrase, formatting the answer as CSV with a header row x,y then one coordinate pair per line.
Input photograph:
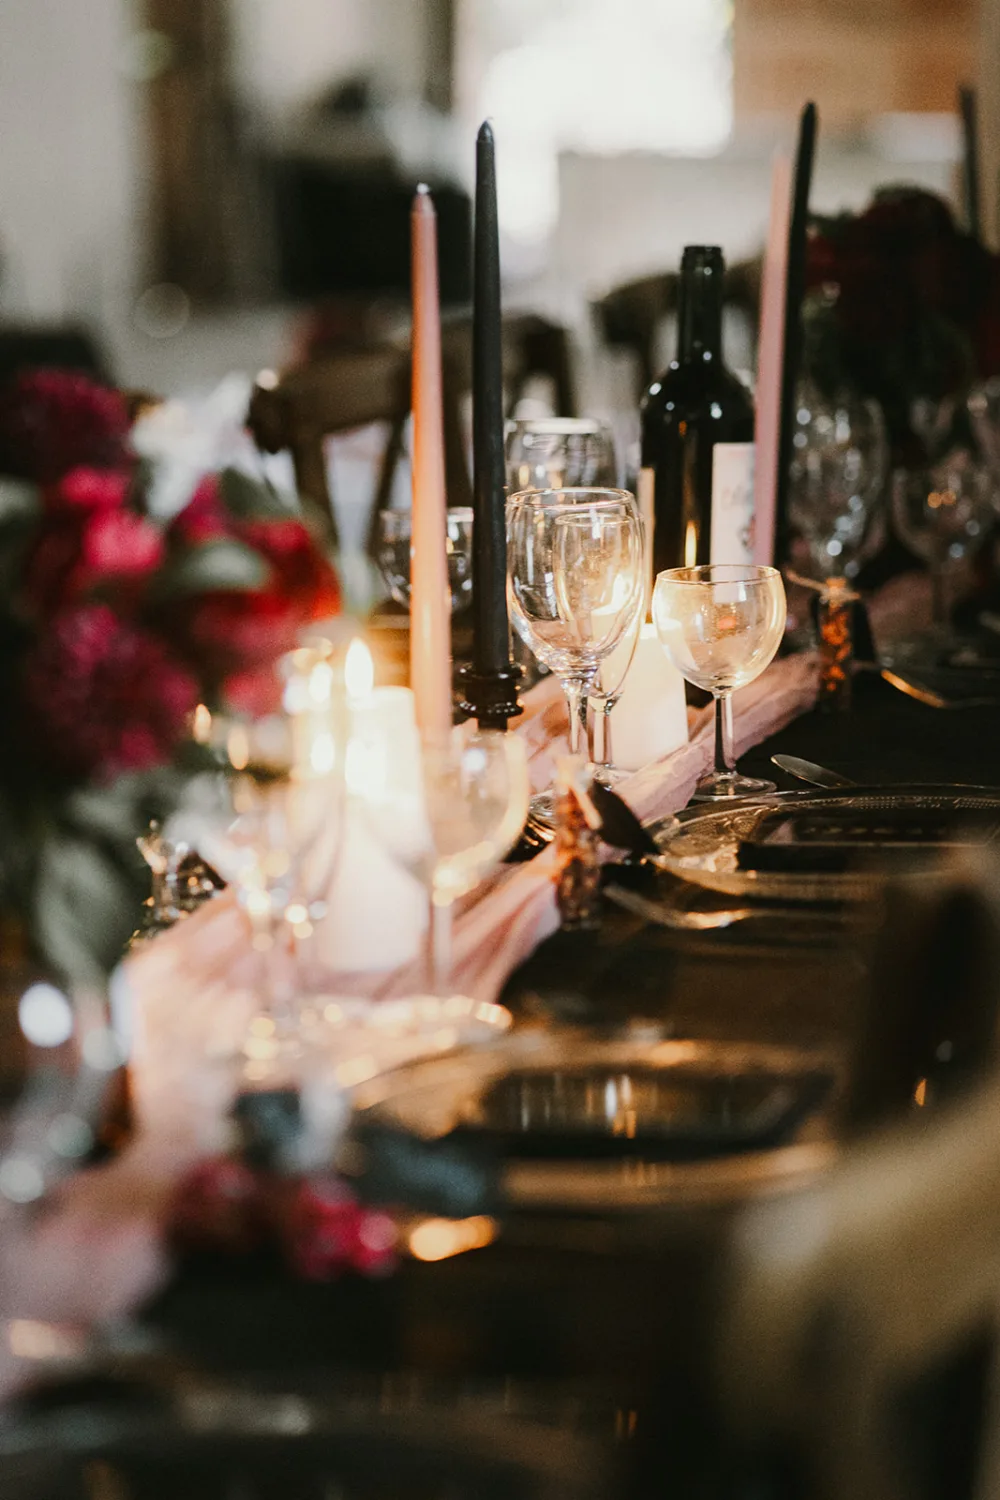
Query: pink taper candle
x,y
770,348
430,603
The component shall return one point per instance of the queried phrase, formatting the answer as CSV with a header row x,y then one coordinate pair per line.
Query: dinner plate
x,y
611,1126
703,845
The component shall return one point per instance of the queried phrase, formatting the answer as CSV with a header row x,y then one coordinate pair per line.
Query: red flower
x,y
118,544
54,420
218,1206
50,567
102,696
300,569
235,632
204,518
238,634
326,1232
255,693
85,489
99,548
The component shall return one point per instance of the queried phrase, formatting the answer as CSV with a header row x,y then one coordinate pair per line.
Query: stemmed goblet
x,y
448,813
721,625
270,821
559,453
944,513
575,566
839,460
394,528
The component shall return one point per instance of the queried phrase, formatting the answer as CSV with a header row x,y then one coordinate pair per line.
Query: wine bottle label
x,y
732,503
646,493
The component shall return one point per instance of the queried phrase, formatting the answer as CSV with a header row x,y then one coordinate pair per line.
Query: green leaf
x,y
18,499
85,908
222,564
250,499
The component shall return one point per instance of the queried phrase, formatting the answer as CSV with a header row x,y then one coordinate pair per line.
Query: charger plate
x,y
702,845
585,1077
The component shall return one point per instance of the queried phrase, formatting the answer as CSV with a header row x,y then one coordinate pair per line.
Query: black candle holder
x,y
491,697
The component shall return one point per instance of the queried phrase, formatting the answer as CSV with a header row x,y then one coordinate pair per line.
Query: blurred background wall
x,y
167,163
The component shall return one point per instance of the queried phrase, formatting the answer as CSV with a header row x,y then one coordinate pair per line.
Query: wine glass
x,y
721,625
943,513
449,817
559,453
838,468
576,582
270,822
394,530
605,691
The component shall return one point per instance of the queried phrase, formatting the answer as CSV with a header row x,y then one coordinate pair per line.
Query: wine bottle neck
x,y
699,314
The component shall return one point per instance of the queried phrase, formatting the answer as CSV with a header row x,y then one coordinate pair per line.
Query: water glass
x,y
839,461
943,514
576,582
394,530
560,453
447,813
721,625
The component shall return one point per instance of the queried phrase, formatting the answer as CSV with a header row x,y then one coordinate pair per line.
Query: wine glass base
x,y
542,808
723,787
609,775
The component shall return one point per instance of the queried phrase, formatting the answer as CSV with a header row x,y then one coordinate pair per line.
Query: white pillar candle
x,y
650,718
377,909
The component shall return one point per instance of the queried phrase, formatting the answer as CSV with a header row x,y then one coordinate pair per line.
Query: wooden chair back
x,y
351,387
629,317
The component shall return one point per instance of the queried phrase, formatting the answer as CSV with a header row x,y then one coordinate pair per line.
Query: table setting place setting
x,y
544,919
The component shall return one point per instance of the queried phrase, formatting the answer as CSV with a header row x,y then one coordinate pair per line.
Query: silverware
x,y
924,694
680,920
809,771
619,825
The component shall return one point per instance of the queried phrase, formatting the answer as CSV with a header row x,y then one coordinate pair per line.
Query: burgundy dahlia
x,y
53,420
102,696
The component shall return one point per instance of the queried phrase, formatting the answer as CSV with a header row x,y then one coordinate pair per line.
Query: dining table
x,y
601,1314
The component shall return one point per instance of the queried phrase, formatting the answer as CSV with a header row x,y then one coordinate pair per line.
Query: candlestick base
x,y
490,697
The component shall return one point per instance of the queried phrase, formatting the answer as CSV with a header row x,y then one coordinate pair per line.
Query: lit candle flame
x,y
359,670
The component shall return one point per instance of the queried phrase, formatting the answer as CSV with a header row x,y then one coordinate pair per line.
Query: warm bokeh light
x,y
437,1239
201,725
359,669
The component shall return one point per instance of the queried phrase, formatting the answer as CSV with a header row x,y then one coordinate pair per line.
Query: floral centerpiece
x,y
116,622
902,306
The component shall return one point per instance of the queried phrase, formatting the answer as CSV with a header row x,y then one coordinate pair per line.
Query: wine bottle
x,y
696,481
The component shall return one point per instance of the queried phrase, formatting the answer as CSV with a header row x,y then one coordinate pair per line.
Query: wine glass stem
x,y
440,935
725,760
576,703
607,704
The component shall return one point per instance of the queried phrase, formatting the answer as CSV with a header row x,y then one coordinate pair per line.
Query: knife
x,y
808,770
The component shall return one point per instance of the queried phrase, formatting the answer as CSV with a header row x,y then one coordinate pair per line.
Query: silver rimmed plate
x,y
579,1122
703,845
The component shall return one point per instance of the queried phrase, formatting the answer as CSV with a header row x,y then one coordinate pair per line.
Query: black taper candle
x,y
490,685
794,293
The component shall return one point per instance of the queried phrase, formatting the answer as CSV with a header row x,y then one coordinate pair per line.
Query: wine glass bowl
x,y
943,514
837,474
575,581
446,813
559,453
721,625
393,554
